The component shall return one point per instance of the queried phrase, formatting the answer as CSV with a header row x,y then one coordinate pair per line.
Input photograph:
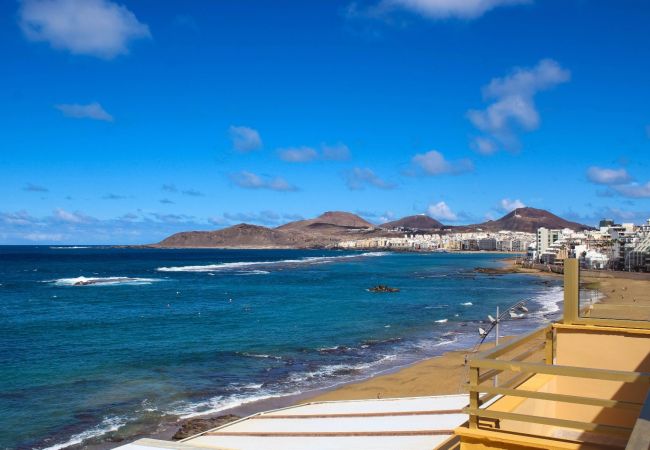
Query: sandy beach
x,y
447,373
444,374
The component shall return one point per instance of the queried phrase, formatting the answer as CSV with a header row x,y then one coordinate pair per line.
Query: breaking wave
x,y
221,403
235,266
107,425
70,247
549,299
333,371
102,281
254,272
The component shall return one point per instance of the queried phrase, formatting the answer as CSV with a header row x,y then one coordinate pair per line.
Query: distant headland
x,y
337,229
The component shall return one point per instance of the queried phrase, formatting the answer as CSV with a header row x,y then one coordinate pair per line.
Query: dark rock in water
x,y
494,271
92,281
199,425
383,288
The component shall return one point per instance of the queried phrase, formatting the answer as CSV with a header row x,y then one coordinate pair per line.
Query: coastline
x,y
437,375
449,365
444,374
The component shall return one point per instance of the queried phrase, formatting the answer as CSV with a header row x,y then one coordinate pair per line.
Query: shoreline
x,y
443,374
440,374
433,375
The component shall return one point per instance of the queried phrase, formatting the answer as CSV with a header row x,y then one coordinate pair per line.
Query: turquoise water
x,y
162,334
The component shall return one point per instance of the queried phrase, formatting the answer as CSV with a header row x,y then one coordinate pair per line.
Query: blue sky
x,y
124,121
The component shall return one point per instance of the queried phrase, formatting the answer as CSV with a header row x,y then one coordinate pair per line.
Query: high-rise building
x,y
545,238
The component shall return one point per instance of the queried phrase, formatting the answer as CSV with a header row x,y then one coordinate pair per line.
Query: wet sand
x,y
440,375
447,373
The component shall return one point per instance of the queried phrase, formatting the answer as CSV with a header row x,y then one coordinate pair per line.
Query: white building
x,y
546,238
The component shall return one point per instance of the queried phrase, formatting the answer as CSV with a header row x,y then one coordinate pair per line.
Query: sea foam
x,y
70,247
102,281
107,425
235,266
549,300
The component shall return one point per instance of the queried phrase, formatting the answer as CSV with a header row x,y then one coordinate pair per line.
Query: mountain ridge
x,y
415,222
527,219
324,231
332,227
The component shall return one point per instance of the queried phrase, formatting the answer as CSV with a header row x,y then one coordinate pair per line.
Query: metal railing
x,y
534,355
487,365
572,311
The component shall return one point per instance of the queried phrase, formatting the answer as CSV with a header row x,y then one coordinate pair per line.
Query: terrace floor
x,y
418,423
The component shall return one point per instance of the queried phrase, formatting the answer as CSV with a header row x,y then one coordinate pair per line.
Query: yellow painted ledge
x,y
477,439
601,328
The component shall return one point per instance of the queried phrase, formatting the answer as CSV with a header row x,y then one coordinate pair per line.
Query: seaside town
x,y
611,246
325,225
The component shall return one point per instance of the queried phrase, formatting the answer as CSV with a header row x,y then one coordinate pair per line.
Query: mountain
x,y
330,218
326,230
527,220
332,227
237,236
418,222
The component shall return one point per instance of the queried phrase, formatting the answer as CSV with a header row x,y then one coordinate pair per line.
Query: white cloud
x,y
18,218
192,193
434,163
70,217
634,190
173,189
245,139
336,152
601,175
298,154
442,211
359,178
430,9
513,107
508,205
87,27
30,187
484,146
172,218
41,237
617,214
112,196
250,180
267,218
93,111
63,226
444,9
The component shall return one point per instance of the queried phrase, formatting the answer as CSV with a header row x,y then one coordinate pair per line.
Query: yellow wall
x,y
580,347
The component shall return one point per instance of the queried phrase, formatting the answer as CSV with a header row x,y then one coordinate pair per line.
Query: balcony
x,y
579,384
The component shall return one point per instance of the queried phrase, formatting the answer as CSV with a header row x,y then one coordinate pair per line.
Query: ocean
x,y
100,345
